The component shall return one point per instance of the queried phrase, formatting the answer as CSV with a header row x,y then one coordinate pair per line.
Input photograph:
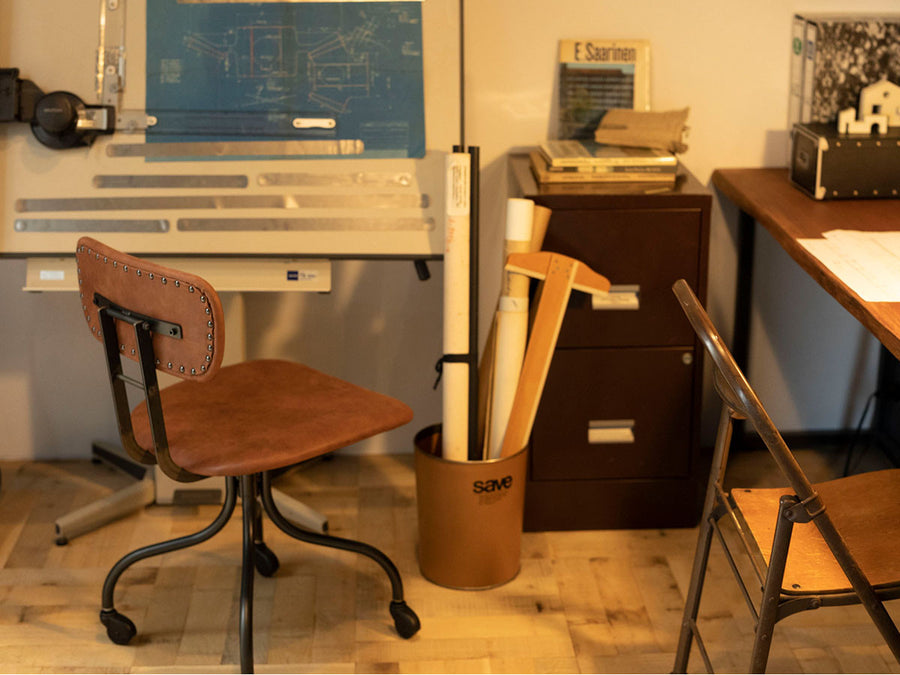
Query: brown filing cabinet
x,y
629,371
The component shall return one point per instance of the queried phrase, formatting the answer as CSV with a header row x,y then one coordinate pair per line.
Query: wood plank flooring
x,y
591,601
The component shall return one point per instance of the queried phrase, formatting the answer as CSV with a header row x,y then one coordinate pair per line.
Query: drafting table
x,y
766,196
249,210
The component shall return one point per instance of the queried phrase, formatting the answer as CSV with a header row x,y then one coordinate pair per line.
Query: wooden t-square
x,y
559,275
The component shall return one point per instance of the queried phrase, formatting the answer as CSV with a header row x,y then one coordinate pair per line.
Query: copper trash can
x,y
470,515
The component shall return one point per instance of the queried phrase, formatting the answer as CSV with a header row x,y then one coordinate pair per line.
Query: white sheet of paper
x,y
867,262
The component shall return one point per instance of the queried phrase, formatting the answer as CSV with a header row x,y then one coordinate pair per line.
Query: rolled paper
x,y
539,227
455,377
512,324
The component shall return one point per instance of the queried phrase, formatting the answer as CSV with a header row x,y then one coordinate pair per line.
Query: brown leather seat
x,y
263,415
810,545
239,422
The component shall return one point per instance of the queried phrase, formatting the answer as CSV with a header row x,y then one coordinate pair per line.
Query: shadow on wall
x,y
823,383
53,385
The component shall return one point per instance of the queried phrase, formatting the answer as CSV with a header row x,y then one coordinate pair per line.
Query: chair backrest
x,y
159,317
737,393
188,328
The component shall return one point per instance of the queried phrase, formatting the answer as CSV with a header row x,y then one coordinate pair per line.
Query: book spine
x,y
587,163
612,177
601,176
810,33
618,168
795,100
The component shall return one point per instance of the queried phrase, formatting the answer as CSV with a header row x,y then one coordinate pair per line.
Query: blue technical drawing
x,y
287,71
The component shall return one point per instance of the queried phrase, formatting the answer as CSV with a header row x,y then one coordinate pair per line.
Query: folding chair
x,y
240,422
810,546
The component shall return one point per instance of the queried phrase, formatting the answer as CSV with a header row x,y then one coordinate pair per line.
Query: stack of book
x,y
572,161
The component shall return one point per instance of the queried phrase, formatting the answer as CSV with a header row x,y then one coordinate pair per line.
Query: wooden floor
x,y
599,601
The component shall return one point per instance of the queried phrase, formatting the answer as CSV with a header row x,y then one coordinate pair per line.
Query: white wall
x,y
727,60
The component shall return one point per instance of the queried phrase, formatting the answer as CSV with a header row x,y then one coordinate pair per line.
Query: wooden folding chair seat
x,y
240,421
810,546
810,566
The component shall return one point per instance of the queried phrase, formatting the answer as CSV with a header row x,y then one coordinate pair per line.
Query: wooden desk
x,y
767,196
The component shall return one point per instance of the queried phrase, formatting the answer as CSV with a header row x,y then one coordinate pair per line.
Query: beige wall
x,y
727,60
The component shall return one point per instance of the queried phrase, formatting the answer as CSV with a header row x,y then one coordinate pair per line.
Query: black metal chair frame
x,y
739,402
255,491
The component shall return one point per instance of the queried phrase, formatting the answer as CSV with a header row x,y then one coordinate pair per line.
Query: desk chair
x,y
803,555
240,422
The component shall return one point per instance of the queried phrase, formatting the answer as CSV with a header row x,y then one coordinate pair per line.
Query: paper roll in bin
x,y
470,515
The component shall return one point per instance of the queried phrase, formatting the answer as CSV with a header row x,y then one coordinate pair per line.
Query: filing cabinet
x,y
616,439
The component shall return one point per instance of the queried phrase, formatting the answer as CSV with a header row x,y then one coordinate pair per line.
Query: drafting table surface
x,y
349,207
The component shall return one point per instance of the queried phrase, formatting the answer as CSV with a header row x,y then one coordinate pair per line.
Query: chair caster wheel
x,y
119,627
264,560
405,620
61,539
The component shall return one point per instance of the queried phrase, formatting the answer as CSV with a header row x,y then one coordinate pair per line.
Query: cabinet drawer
x,y
592,395
650,249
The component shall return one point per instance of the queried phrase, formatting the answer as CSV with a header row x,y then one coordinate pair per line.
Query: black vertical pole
x,y
474,449
462,75
740,340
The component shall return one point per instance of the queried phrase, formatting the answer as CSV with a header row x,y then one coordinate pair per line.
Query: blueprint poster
x,y
287,71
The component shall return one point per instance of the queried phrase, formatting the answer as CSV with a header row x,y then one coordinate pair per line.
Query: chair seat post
x,y
248,505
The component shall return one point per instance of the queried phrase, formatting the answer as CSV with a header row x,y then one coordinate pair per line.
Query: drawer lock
x,y
610,431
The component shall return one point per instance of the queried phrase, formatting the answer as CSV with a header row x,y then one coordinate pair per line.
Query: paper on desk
x,y
867,262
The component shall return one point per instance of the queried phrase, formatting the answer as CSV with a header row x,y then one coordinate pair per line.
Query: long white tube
x,y
455,433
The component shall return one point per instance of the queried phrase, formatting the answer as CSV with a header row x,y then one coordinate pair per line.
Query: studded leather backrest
x,y
163,293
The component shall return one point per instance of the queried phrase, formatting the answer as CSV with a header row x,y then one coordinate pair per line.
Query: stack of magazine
x,y
573,161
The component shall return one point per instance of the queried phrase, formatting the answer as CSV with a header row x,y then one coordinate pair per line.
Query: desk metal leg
x,y
740,340
746,244
886,416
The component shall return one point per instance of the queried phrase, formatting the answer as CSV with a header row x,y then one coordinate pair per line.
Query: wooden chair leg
x,y
249,504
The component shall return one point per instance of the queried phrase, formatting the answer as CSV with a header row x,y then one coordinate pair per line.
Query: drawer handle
x,y
621,296
610,431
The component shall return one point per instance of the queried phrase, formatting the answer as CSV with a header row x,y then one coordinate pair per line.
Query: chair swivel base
x,y
126,501
256,498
